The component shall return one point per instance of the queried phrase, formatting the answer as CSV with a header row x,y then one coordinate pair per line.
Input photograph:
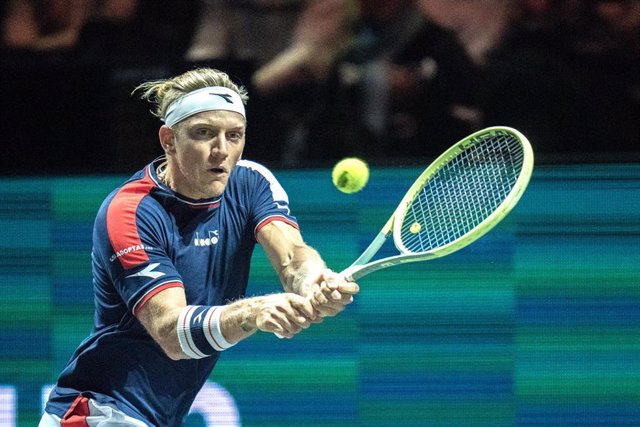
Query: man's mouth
x,y
217,170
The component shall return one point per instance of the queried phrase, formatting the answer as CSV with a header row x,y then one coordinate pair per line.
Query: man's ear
x,y
167,139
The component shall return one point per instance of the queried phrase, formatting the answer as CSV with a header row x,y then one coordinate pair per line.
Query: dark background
x,y
567,80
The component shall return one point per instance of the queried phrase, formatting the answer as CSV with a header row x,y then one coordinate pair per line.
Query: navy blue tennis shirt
x,y
148,238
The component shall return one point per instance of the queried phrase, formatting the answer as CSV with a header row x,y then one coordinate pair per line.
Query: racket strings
x,y
468,188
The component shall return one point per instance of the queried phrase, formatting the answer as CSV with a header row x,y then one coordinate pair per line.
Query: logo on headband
x,y
200,100
224,96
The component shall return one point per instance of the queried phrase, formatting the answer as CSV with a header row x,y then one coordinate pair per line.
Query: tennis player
x,y
171,254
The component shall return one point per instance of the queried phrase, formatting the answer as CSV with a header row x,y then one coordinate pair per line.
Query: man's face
x,y
205,149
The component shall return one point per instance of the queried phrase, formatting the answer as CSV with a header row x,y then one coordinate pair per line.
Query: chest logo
x,y
210,239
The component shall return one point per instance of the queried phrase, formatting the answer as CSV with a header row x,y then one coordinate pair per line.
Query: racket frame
x,y
361,266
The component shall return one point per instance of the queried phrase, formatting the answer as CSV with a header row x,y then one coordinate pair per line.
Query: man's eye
x,y
203,132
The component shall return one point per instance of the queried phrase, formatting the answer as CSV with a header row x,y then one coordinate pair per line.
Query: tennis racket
x,y
462,195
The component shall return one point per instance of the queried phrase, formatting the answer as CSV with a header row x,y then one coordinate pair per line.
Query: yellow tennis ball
x,y
350,175
415,228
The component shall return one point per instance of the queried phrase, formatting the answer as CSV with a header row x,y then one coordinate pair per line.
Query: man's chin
x,y
216,189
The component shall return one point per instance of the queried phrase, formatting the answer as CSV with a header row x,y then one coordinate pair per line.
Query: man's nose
x,y
220,148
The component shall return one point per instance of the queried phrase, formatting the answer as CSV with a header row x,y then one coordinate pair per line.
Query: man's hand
x,y
332,294
284,314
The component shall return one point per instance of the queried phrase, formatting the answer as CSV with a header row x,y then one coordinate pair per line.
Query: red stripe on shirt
x,y
152,293
77,414
209,206
121,222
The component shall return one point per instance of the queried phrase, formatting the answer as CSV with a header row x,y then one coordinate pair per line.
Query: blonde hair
x,y
164,92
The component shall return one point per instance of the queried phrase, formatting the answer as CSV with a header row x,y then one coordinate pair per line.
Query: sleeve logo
x,y
127,250
148,272
283,206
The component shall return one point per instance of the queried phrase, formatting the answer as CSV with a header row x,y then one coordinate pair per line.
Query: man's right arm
x,y
185,332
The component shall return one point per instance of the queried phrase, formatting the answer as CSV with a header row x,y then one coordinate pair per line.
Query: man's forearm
x,y
304,266
238,319
283,313
200,329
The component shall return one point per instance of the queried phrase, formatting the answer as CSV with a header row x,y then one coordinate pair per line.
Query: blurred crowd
x,y
381,79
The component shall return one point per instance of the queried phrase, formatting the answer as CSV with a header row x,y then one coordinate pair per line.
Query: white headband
x,y
205,99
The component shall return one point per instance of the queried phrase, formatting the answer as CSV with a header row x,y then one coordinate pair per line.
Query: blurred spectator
x,y
100,29
61,61
250,33
405,88
373,78
246,30
623,17
139,31
43,25
323,30
607,60
331,78
478,24
565,72
285,86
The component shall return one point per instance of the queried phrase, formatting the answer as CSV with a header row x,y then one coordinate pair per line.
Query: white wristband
x,y
199,331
